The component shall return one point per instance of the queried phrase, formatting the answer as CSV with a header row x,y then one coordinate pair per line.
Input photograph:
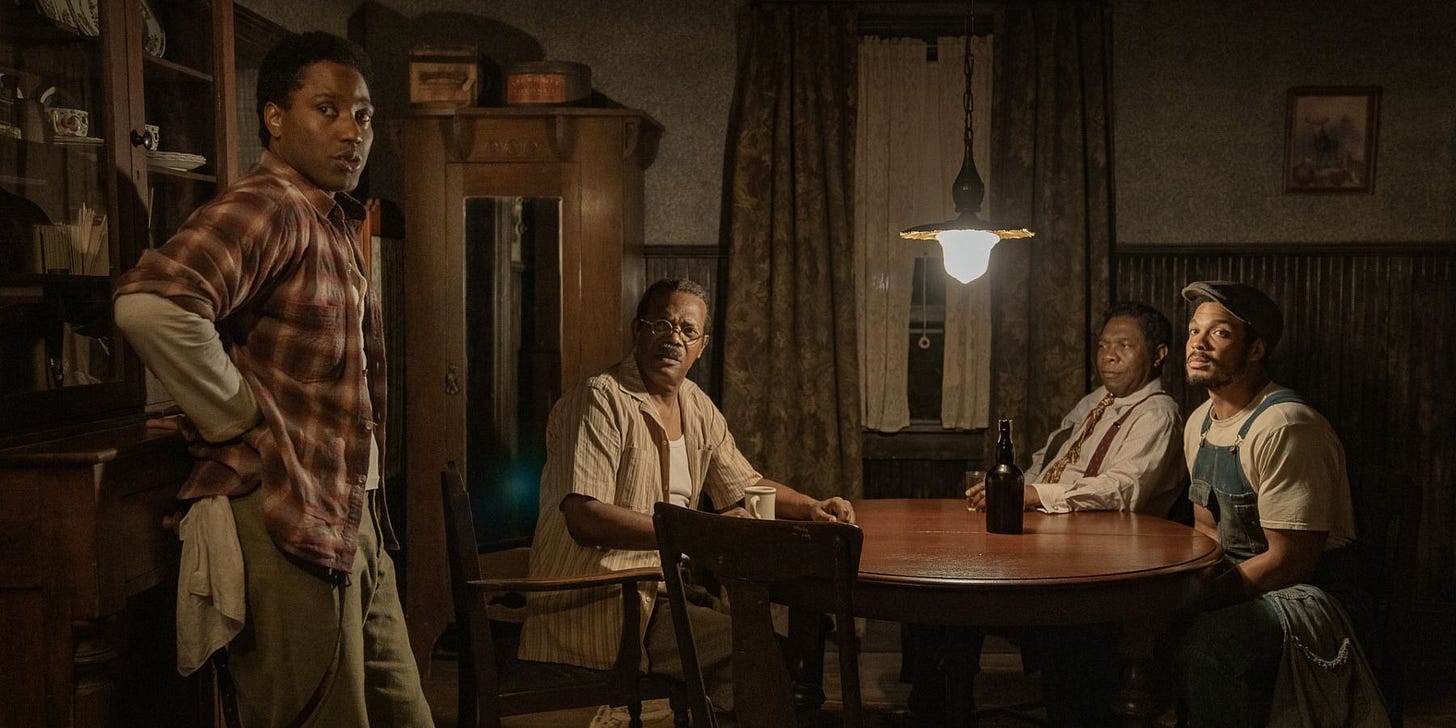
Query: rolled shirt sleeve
x,y
186,353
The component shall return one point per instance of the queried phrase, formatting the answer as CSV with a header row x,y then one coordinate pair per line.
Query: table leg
x,y
806,657
1134,702
960,669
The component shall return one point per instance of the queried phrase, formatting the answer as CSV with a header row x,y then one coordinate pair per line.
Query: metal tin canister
x,y
535,83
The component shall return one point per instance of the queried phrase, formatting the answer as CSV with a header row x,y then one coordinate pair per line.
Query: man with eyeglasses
x,y
616,444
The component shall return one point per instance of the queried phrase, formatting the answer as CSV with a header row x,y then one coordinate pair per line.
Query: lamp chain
x,y
966,102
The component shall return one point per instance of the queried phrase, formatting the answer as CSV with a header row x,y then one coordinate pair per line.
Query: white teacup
x,y
758,500
69,122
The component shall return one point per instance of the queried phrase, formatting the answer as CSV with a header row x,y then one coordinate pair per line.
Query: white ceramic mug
x,y
758,500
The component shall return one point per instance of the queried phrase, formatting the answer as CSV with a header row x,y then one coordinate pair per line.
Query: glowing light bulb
x,y
967,253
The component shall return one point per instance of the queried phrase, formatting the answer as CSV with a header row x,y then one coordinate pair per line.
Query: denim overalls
x,y
1219,484
1231,657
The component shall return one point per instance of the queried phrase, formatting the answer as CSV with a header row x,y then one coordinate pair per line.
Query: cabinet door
x,y
58,242
187,107
116,121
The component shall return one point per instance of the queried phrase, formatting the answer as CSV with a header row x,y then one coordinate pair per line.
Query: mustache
x,y
671,351
1201,358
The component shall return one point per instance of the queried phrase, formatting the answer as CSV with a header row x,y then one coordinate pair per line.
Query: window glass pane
x,y
926,364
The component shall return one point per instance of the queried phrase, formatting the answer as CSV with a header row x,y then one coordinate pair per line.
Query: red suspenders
x,y
1094,465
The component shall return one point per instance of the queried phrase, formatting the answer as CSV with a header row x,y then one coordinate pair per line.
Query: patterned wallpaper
x,y
1199,97
670,58
1200,92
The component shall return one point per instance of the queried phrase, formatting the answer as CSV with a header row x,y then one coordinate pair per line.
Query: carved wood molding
x,y
472,139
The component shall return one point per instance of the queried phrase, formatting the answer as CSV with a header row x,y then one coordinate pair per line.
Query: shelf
x,y
178,174
176,69
10,179
34,145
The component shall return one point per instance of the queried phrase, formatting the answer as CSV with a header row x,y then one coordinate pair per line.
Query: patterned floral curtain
x,y
790,363
1050,150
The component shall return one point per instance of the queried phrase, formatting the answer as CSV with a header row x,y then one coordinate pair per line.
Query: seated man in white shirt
x,y
1118,449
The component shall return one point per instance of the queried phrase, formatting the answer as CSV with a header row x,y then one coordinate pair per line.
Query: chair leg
x,y
679,704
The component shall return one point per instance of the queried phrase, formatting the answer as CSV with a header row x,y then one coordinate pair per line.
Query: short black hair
x,y
676,285
281,72
1157,329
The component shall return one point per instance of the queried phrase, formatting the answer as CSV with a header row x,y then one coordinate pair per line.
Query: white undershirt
x,y
679,482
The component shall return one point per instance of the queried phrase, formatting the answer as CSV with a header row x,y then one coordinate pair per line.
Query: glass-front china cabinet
x,y
117,119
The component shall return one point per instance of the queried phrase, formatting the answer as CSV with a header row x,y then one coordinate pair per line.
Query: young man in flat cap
x,y
1269,484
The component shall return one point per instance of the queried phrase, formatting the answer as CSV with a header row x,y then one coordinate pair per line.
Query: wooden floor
x,y
1431,700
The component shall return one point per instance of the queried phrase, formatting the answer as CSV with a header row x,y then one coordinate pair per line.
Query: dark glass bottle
x,y
1005,488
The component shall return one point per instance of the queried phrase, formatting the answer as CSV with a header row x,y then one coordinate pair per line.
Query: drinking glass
x,y
971,478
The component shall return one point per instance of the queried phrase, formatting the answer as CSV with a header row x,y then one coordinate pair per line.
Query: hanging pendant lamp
x,y
966,241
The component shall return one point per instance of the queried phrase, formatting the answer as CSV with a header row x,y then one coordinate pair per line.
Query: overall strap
x,y
1278,396
1094,466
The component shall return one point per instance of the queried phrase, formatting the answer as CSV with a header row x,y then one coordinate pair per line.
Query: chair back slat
x,y
748,557
477,653
487,591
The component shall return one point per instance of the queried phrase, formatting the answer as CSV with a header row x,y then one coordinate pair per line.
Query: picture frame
x,y
1330,138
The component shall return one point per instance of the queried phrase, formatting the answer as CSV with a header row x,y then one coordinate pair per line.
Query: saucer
x,y
176,161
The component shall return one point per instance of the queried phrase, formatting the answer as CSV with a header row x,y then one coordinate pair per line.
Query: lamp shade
x,y
965,243
967,253
967,240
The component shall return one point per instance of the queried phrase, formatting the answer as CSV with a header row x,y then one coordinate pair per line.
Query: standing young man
x,y
258,318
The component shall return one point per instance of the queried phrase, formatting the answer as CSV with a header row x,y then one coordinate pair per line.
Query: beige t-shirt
x,y
1294,462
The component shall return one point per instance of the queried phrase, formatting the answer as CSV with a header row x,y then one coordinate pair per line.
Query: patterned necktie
x,y
1054,473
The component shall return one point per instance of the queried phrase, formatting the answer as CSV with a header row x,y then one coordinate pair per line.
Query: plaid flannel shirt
x,y
274,262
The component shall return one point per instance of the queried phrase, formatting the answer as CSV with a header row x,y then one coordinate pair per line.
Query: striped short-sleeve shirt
x,y
604,440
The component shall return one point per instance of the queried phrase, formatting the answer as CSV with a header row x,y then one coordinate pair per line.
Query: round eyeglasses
x,y
662,329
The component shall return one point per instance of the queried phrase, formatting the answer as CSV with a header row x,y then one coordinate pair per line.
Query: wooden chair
x,y
493,682
1388,517
748,557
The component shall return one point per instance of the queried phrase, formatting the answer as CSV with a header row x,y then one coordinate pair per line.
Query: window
x,y
924,339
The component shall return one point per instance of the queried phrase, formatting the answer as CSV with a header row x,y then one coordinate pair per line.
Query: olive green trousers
x,y
302,632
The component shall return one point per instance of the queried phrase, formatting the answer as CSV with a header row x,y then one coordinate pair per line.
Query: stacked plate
x,y
84,17
77,141
176,161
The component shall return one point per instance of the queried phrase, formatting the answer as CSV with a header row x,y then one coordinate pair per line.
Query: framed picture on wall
x,y
1329,143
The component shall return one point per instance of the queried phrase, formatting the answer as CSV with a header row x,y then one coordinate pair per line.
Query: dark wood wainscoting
x,y
1369,339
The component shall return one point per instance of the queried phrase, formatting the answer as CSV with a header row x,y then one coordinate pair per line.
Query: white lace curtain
x,y
908,150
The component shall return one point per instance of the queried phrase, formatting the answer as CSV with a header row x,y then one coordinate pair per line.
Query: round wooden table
x,y
930,561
